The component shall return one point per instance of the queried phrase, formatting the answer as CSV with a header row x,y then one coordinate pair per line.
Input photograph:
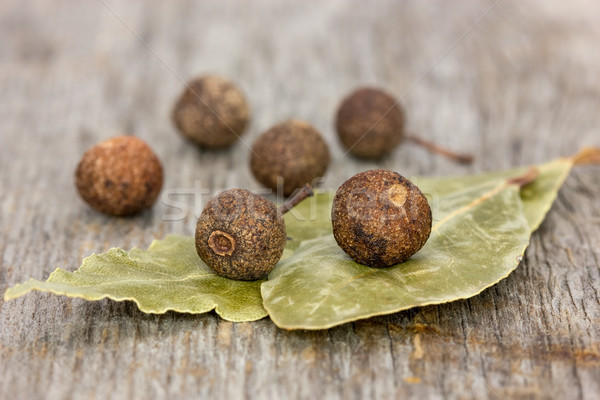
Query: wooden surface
x,y
512,82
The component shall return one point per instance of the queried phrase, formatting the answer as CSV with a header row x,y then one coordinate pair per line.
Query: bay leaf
x,y
482,226
167,276
537,197
476,242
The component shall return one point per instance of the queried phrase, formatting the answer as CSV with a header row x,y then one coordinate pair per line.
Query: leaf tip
x,y
587,156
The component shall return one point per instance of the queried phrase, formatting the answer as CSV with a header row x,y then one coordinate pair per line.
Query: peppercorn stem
x,y
305,192
525,179
434,148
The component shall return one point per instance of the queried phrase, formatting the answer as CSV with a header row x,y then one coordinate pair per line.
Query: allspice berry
x,y
241,235
370,123
290,154
119,176
380,218
212,112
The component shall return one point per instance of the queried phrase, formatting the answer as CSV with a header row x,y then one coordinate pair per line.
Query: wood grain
x,y
512,82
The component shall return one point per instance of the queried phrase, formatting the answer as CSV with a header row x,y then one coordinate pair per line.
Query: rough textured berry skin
x,y
292,150
212,112
380,218
240,235
120,176
370,123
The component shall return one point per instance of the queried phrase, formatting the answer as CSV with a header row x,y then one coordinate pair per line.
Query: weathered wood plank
x,y
521,87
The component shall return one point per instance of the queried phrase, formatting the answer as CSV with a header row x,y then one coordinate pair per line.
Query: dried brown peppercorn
x,y
293,152
241,235
119,176
380,218
212,112
370,124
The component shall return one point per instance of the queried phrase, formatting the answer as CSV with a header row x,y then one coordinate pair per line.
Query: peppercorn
x,y
241,235
119,176
211,112
380,218
291,154
370,123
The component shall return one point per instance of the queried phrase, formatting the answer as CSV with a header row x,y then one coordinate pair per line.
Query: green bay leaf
x,y
537,197
482,226
167,276
477,239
